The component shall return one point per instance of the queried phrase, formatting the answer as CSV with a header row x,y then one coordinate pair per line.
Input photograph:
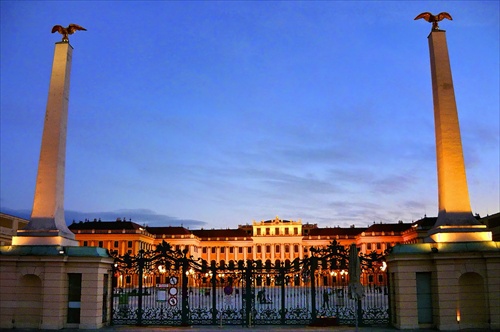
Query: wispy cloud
x,y
140,216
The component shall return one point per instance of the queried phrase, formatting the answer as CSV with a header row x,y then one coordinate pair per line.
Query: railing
x,y
166,287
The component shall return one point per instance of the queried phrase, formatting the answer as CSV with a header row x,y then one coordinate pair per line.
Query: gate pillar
x,y
314,263
248,293
185,304
214,295
282,281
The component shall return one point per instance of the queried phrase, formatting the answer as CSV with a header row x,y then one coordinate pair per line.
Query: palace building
x,y
8,228
269,240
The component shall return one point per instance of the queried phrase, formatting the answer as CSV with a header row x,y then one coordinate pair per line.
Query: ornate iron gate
x,y
166,287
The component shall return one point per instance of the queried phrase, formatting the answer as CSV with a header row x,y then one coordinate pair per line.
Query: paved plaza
x,y
263,328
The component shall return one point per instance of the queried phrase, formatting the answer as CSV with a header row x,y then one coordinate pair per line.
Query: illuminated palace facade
x,y
273,240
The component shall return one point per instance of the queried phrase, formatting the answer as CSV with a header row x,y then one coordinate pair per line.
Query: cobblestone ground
x,y
251,329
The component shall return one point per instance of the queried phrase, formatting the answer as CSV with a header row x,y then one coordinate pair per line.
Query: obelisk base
x,y
445,286
43,238
35,282
458,227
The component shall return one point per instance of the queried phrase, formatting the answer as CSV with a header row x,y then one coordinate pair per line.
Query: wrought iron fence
x,y
167,287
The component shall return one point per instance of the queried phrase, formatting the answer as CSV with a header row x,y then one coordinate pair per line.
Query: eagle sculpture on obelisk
x,y
47,224
71,29
434,19
455,222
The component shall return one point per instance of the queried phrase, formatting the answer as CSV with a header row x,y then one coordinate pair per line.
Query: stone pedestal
x,y
35,287
462,291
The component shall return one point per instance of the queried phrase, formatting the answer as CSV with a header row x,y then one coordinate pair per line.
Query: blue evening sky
x,y
217,113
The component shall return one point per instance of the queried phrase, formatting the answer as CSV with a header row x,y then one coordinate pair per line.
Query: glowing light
x,y
384,266
463,235
458,315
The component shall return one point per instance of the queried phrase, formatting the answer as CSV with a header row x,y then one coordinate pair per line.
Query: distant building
x,y
9,226
493,223
272,240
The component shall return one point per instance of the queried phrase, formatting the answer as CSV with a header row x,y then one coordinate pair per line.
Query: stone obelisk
x,y
47,225
455,221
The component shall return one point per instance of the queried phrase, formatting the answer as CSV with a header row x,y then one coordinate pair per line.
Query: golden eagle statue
x,y
434,19
67,31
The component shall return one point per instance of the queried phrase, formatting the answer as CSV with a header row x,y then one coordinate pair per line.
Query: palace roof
x,y
169,230
221,233
334,231
396,228
104,225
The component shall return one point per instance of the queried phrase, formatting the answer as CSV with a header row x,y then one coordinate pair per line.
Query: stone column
x,y
47,225
455,216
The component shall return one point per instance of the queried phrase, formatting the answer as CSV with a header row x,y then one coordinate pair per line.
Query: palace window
x,y
286,231
204,250
268,231
268,248
240,250
296,230
101,244
116,244
368,246
222,250
277,231
249,250
129,244
258,231
85,243
277,248
259,249
213,250
231,250
296,248
287,248
379,245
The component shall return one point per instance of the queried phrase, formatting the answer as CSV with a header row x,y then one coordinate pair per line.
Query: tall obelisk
x,y
455,221
47,225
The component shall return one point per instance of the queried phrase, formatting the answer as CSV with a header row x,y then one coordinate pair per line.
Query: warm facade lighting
x,y
462,234
384,266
